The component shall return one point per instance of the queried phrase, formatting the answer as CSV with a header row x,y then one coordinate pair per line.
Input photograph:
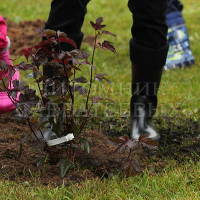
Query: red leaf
x,y
101,77
97,99
26,52
68,41
131,167
24,66
43,44
123,139
97,25
99,20
127,143
108,45
109,33
80,89
81,80
56,60
65,61
147,142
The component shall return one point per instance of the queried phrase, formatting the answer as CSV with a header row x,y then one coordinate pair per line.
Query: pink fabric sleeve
x,y
3,33
6,105
4,55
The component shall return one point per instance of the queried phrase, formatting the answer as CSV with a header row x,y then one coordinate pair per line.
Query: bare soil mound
x,y
24,34
27,34
21,158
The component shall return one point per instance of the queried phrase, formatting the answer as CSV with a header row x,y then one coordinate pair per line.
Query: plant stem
x,y
66,76
68,87
14,102
72,111
84,123
40,93
91,71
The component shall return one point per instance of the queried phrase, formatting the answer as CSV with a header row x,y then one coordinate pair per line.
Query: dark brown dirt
x,y
27,34
21,157
23,35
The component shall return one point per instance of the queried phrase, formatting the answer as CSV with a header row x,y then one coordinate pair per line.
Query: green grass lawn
x,y
175,184
179,96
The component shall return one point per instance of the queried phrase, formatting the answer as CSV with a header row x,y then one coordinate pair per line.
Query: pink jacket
x,y
3,34
6,104
4,43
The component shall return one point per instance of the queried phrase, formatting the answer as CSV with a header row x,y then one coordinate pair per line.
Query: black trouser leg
x,y
148,50
174,5
68,16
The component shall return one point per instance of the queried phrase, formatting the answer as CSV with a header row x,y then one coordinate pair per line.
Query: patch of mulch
x,y
28,33
22,159
24,34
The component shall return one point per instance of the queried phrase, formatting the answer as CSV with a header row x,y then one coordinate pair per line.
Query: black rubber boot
x,y
146,77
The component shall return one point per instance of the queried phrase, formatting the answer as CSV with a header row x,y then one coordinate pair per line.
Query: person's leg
x,y
148,52
174,5
68,16
180,54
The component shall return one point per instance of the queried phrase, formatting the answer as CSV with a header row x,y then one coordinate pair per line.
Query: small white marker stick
x,y
60,140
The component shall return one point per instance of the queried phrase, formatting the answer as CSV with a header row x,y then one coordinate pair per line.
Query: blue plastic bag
x,y
180,54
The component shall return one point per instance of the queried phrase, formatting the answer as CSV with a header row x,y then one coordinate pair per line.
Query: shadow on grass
x,y
180,140
180,136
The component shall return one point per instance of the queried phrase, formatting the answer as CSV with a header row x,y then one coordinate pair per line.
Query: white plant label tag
x,y
61,140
